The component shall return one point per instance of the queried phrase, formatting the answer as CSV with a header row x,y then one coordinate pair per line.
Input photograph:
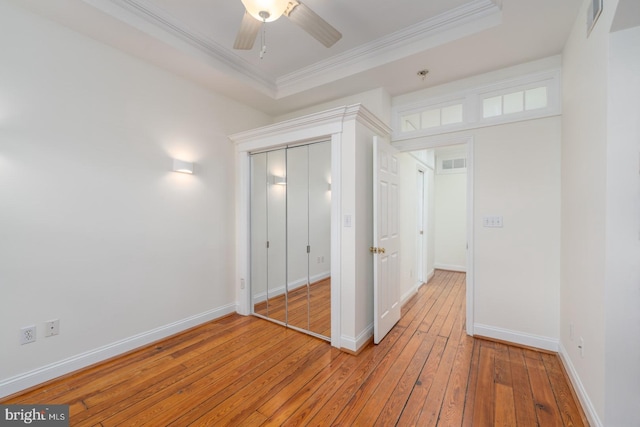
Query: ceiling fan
x,y
259,12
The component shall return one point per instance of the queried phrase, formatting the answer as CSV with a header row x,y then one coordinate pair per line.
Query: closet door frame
x,y
331,131
350,129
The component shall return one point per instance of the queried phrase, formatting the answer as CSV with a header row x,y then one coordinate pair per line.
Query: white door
x,y
386,237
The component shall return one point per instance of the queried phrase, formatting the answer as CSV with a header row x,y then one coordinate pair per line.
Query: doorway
x,y
424,150
450,208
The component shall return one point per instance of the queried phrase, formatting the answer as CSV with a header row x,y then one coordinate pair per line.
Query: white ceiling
x,y
384,43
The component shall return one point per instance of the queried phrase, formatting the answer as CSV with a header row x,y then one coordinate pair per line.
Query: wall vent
x,y
452,165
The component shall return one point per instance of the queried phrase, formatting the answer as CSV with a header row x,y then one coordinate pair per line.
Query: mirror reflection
x,y
291,237
268,234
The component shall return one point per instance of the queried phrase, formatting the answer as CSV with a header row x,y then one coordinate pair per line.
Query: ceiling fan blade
x,y
312,23
247,33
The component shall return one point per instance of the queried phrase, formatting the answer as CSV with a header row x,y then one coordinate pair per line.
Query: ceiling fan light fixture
x,y
266,10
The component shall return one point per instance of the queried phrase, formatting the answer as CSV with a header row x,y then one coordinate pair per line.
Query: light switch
x,y
492,221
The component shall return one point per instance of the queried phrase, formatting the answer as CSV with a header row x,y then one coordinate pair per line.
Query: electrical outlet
x,y
27,334
51,328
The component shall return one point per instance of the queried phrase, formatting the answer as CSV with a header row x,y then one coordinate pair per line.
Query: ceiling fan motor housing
x,y
266,10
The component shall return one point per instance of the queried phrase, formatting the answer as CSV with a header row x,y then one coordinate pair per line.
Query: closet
x,y
290,237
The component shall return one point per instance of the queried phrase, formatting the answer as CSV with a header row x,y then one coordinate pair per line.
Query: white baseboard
x,y
48,372
522,338
411,292
586,403
279,290
354,344
430,275
451,267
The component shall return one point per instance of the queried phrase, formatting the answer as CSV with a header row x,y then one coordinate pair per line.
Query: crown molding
x,y
411,40
307,128
393,46
360,113
159,18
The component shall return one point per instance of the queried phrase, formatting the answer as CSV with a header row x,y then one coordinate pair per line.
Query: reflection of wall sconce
x,y
182,167
278,180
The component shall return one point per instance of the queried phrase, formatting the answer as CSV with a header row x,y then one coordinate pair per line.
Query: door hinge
x,y
267,244
308,249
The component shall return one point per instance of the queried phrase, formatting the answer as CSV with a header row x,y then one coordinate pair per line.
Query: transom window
x,y
527,97
515,102
432,117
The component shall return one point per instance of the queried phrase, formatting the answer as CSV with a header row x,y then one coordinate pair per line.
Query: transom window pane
x,y
431,118
536,98
492,107
513,102
452,114
410,122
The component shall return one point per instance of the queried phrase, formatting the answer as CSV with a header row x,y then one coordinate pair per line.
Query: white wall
x,y
450,206
364,230
517,267
622,279
584,169
95,228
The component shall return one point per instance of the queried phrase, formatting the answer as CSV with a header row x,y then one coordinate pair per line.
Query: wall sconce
x,y
182,166
278,180
329,186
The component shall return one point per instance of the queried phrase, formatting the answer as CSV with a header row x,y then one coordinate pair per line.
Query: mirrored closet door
x,y
291,237
268,234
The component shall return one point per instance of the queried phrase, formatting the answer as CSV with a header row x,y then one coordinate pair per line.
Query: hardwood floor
x,y
245,371
308,309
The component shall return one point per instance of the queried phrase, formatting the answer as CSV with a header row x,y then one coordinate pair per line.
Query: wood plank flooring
x,y
308,308
245,371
